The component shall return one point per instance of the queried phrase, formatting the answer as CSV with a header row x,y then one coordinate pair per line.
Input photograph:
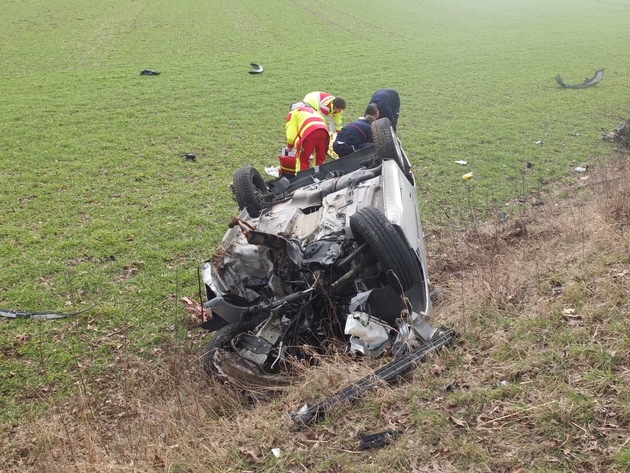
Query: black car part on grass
x,y
388,373
149,72
620,135
596,79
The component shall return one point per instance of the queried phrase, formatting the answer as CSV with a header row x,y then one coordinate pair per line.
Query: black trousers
x,y
344,149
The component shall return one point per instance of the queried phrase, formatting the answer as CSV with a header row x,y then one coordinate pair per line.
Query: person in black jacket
x,y
388,103
356,135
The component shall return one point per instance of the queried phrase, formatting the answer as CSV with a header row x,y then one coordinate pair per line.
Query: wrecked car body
x,y
334,255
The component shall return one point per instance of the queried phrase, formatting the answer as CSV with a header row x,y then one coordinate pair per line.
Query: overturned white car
x,y
335,254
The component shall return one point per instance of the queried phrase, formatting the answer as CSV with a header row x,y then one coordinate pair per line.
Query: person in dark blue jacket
x,y
388,103
356,135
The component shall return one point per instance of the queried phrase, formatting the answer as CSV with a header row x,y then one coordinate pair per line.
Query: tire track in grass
x,y
110,33
328,19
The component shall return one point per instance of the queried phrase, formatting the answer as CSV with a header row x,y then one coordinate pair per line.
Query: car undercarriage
x,y
332,257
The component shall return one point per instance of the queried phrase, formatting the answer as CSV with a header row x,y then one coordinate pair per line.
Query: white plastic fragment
x,y
580,169
463,163
276,452
273,170
367,334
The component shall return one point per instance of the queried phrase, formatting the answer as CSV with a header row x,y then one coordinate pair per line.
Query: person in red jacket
x,y
308,133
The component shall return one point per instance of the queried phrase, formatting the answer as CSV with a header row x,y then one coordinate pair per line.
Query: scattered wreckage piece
x,y
333,255
596,79
149,72
257,68
389,373
621,135
18,314
623,131
377,440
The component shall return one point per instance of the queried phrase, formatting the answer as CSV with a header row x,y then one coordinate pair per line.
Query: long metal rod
x,y
388,373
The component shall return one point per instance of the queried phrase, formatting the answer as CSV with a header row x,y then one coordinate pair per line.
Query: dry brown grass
x,y
538,381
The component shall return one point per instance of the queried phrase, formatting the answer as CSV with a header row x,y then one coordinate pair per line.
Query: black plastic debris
x,y
596,79
389,373
149,72
377,440
190,157
257,68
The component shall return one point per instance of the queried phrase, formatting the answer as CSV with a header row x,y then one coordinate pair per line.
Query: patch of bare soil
x,y
539,379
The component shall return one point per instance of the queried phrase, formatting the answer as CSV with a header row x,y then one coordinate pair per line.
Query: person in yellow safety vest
x,y
329,107
308,133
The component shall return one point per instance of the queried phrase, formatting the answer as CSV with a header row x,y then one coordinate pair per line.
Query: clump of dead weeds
x,y
542,381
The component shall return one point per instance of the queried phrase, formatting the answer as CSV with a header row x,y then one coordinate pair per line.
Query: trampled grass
x,y
100,209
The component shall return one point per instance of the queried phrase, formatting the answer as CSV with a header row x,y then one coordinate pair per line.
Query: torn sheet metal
x,y
622,135
367,334
596,79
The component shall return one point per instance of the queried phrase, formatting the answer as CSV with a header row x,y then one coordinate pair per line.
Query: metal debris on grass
x,y
621,135
257,68
19,314
377,440
588,82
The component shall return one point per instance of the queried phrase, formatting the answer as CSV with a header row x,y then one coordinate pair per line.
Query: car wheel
x,y
222,339
248,186
386,142
369,225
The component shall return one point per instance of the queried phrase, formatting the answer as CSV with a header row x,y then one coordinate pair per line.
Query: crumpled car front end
x,y
337,256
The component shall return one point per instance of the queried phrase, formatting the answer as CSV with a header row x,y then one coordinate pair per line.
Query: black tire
x,y
248,187
369,225
221,339
386,142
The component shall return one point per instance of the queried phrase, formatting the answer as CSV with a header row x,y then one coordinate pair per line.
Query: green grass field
x,y
101,210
